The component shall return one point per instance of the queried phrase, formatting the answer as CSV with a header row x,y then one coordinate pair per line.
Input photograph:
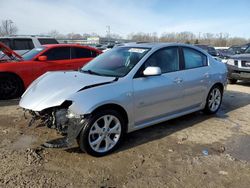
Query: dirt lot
x,y
192,151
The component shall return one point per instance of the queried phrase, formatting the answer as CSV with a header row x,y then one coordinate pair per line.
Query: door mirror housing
x,y
42,58
152,71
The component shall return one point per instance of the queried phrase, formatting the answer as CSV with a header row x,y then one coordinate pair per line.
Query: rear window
x,y
6,42
47,41
194,59
82,53
22,44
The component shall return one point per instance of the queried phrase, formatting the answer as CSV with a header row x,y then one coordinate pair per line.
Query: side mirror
x,y
42,58
152,71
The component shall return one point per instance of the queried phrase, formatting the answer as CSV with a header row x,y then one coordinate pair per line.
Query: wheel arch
x,y
14,74
116,107
220,85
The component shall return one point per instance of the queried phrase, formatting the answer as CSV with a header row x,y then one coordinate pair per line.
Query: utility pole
x,y
108,32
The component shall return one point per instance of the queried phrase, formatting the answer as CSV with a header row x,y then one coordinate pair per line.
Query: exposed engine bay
x,y
60,119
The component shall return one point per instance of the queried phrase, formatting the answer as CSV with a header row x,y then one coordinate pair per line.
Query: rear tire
x,y
214,100
232,81
10,86
103,133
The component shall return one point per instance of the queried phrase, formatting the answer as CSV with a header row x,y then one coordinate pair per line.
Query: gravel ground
x,y
192,151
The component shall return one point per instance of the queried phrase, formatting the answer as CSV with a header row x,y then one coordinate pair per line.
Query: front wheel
x,y
10,86
214,100
103,133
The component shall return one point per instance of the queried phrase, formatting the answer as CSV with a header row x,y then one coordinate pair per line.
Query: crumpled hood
x,y
53,88
243,57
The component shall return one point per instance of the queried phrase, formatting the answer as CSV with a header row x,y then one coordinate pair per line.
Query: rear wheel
x,y
232,81
103,133
214,100
10,86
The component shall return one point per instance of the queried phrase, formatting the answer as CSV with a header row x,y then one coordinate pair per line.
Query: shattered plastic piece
x,y
205,152
57,143
223,172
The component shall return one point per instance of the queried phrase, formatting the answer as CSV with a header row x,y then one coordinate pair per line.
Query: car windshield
x,y
247,51
116,62
32,53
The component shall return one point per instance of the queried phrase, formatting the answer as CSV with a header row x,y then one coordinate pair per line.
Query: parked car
x,y
22,44
235,49
17,72
239,67
209,49
126,89
244,47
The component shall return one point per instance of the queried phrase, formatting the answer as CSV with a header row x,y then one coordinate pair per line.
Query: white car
x,y
126,89
23,44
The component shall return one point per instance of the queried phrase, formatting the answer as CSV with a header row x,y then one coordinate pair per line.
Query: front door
x,y
158,96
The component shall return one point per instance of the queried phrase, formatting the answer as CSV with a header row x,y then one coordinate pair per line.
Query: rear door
x,y
195,78
158,96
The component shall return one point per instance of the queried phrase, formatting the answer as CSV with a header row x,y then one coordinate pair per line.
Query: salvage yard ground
x,y
193,151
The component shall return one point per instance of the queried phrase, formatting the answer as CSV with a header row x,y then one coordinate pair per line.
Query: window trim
x,y
183,58
138,75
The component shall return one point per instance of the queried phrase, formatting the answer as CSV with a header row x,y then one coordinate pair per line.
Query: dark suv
x,y
239,67
209,49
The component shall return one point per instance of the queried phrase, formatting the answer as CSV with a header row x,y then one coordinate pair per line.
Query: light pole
x,y
108,32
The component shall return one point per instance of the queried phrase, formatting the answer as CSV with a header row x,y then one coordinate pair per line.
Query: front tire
x,y
103,133
214,100
10,86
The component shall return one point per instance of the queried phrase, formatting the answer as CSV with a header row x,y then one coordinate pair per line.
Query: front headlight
x,y
224,61
71,115
230,62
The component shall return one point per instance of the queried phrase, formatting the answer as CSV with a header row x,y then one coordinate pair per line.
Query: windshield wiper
x,y
91,72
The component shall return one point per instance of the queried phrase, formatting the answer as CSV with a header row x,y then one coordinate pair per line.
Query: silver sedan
x,y
126,89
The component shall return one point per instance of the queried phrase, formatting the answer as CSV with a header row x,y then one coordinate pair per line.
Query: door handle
x,y
178,80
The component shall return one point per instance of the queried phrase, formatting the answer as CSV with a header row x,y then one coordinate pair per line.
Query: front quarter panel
x,y
87,100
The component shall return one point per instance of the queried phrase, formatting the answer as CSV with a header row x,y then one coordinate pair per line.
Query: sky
x,y
128,16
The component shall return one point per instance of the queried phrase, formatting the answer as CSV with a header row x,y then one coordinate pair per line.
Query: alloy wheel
x,y
214,99
104,133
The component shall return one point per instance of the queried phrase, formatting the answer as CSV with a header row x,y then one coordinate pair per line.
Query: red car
x,y
17,73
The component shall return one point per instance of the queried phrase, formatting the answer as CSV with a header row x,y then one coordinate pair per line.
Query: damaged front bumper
x,y
63,120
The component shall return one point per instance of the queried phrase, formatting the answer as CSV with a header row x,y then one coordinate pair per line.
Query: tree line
x,y
8,27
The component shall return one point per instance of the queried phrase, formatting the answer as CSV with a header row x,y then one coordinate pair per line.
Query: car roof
x,y
68,45
158,45
26,37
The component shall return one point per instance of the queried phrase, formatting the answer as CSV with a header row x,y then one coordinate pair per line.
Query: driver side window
x,y
166,59
62,53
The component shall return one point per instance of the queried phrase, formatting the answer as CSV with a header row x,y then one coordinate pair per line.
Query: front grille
x,y
236,63
245,64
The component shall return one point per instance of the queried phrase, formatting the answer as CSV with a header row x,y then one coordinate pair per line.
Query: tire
x,y
95,135
10,86
232,81
214,100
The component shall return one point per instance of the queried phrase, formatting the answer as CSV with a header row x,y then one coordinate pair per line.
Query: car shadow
x,y
243,83
232,100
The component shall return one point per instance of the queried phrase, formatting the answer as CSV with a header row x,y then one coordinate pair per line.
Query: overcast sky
x,y
127,16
